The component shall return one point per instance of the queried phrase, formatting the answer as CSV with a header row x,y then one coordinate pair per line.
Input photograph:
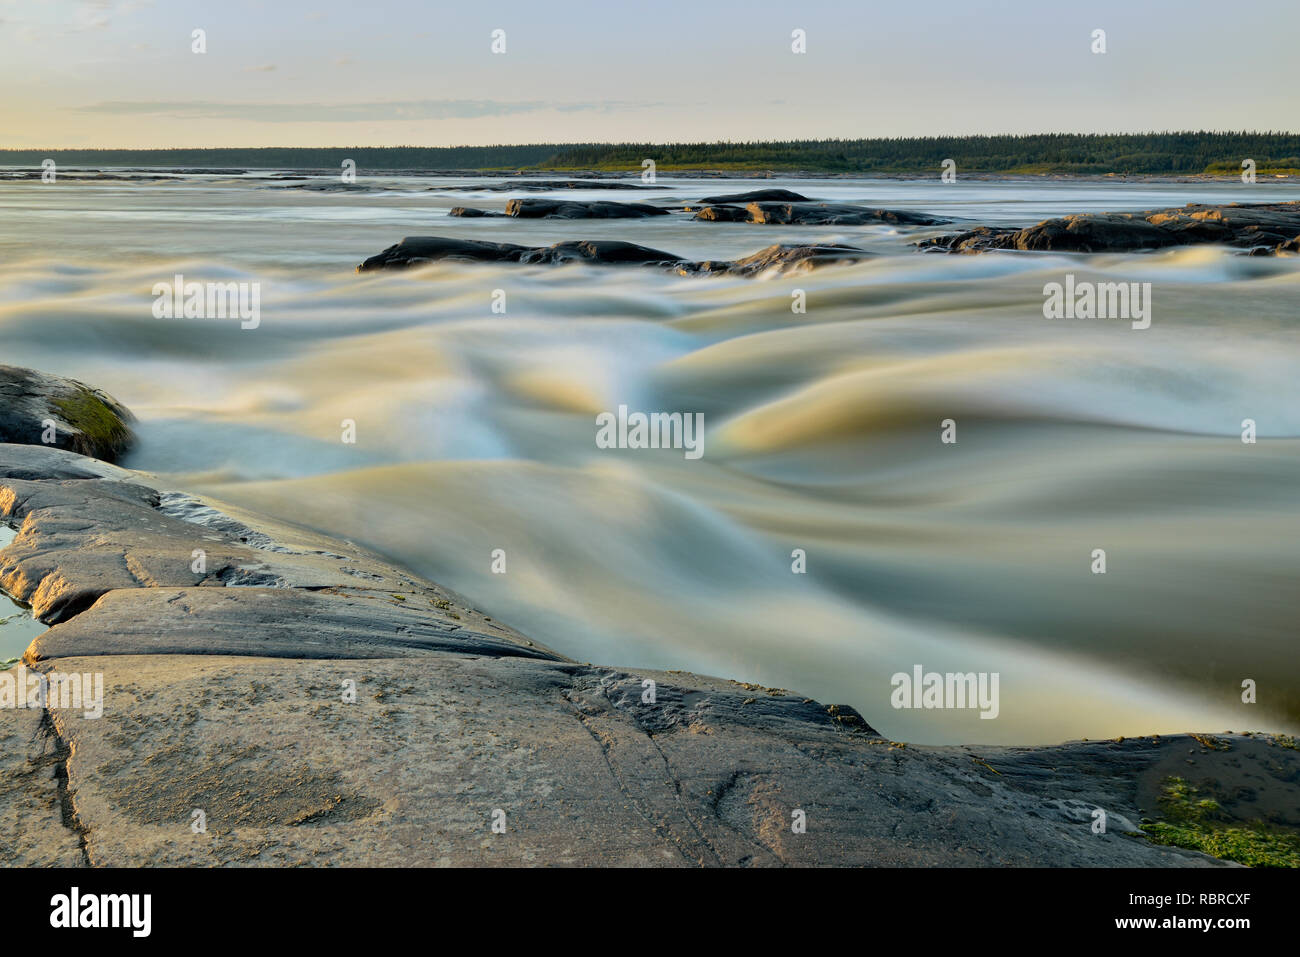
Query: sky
x,y
122,73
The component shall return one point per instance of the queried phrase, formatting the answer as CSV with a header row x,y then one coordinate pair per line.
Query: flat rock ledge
x,y
423,250
811,214
1259,228
532,208
41,409
572,209
226,691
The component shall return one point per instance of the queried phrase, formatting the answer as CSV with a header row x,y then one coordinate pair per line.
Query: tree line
x,y
1169,153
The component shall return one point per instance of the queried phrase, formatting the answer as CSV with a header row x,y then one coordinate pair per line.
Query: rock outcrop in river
x,y
317,705
812,214
1260,227
758,196
422,250
572,209
565,209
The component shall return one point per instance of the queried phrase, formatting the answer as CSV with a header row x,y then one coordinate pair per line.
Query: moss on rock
x,y
100,422
1195,821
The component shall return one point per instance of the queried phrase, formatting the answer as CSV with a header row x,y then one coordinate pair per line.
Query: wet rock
x,y
41,409
469,212
421,250
571,209
599,251
833,214
781,259
1261,228
972,240
810,214
758,196
723,214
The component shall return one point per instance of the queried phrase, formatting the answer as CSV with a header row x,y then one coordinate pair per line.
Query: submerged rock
x,y
571,209
470,212
41,409
1262,228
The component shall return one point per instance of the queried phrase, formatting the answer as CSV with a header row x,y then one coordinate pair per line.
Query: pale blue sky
x,y
281,72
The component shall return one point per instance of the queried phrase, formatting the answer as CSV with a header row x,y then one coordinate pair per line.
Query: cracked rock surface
x,y
317,705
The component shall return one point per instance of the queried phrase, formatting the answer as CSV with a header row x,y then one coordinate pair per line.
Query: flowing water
x,y
475,431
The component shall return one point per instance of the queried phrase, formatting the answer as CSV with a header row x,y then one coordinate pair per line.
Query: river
x,y
475,432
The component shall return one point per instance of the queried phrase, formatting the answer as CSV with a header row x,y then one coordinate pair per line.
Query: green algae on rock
x,y
1195,820
41,409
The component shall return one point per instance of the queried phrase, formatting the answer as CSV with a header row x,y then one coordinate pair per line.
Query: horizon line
x,y
610,143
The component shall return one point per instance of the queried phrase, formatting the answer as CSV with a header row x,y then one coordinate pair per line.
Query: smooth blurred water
x,y
476,432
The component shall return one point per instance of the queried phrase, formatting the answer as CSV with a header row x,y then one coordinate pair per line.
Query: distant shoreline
x,y
631,175
1182,153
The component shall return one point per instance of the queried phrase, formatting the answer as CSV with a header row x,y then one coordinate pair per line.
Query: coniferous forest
x,y
1136,153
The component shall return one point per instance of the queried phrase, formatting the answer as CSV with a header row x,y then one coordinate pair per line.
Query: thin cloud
x,y
347,112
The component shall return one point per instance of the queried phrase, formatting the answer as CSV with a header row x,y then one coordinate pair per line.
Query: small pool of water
x,y
17,626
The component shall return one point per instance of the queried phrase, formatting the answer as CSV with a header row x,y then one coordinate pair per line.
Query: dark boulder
x,y
600,251
723,214
469,212
571,209
41,409
421,250
781,260
758,196
833,214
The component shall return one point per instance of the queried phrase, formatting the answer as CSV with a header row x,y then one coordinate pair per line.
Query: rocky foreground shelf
x,y
225,692
1261,228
